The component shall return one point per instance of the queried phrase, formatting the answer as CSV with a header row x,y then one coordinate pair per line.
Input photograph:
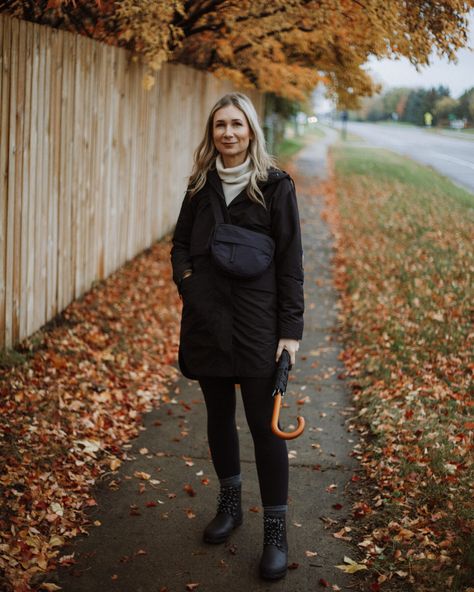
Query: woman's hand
x,y
291,345
186,274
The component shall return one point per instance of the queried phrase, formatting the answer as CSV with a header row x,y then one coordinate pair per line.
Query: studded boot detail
x,y
228,516
274,561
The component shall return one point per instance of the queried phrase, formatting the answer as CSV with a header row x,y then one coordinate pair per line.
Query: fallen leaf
x,y
352,566
189,490
114,464
402,574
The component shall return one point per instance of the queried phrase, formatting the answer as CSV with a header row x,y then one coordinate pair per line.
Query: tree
x,y
421,101
283,46
380,107
445,108
394,101
465,109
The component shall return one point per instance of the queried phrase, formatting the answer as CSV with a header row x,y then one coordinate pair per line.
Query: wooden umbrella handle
x,y
276,414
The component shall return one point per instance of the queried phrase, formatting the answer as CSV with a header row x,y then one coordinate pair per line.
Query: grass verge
x,y
405,266
290,146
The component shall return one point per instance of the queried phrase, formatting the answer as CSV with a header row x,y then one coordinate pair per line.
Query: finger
x,y
278,354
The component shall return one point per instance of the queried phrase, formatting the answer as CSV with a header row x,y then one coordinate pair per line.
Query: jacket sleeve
x,y
180,257
286,232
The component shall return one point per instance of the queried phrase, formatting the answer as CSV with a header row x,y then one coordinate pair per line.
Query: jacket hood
x,y
274,176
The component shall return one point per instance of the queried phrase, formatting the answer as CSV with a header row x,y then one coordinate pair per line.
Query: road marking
x,y
453,159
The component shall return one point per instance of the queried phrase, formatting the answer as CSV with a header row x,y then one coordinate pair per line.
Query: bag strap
x,y
217,210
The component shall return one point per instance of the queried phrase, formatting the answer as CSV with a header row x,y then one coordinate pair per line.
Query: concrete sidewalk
x,y
150,541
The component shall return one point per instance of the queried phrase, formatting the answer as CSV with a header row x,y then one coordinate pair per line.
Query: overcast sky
x,y
458,77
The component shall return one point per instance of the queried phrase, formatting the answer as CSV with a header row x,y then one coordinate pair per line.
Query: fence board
x,y
4,131
26,226
12,206
39,254
18,195
93,168
77,171
32,188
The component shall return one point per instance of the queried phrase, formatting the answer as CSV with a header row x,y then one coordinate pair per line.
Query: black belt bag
x,y
237,251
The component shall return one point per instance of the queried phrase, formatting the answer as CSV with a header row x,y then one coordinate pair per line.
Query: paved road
x,y
450,156
149,539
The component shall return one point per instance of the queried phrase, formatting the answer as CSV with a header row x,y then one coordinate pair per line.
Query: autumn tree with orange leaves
x,y
284,46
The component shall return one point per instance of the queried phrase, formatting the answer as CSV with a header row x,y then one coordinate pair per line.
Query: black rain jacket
x,y
231,327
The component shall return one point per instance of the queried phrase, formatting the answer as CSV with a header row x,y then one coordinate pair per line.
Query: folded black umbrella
x,y
281,381
281,375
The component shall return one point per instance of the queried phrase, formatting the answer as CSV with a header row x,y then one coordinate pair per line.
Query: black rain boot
x,y
274,561
228,517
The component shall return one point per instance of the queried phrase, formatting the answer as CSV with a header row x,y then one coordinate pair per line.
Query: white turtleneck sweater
x,y
234,179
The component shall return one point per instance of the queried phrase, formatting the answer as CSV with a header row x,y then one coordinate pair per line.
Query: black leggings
x,y
270,451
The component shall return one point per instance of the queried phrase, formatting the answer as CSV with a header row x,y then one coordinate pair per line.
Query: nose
x,y
228,131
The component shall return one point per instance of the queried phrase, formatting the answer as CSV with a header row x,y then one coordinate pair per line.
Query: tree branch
x,y
239,19
186,23
273,34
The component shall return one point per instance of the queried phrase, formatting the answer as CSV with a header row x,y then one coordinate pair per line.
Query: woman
x,y
233,331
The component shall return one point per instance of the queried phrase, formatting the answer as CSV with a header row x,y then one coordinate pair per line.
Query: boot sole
x,y
273,576
223,539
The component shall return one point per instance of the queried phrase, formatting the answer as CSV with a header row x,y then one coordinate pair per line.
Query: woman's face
x,y
231,134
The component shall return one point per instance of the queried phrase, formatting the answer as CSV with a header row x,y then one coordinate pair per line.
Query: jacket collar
x,y
274,175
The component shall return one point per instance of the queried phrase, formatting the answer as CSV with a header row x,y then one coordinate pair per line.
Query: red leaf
x,y
189,490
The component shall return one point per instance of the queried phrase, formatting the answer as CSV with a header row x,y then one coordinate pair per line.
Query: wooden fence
x,y
92,166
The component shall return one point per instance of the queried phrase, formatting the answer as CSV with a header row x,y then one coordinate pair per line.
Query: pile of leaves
x,y
405,269
72,394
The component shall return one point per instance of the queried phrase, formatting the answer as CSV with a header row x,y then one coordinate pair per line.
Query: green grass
x,y
10,358
406,243
290,146
383,166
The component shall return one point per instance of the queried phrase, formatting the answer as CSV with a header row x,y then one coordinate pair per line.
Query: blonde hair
x,y
206,153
